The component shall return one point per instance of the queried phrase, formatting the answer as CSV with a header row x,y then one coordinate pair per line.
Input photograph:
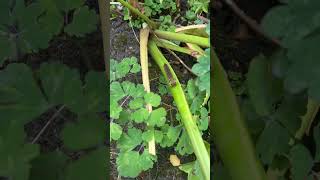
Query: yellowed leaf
x,y
175,161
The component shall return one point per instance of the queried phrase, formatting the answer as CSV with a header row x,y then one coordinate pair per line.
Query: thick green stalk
x,y
183,107
169,45
186,38
229,131
151,23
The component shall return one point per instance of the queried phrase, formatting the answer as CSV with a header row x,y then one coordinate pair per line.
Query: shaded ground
x,y
234,42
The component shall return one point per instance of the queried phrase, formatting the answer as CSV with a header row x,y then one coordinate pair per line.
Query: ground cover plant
x,y
149,115
34,95
273,121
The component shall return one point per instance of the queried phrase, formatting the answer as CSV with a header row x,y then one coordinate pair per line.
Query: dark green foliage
x,y
130,116
297,25
197,7
29,28
202,70
24,101
280,88
26,94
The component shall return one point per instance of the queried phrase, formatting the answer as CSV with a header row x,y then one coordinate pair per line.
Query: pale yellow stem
x,y
144,36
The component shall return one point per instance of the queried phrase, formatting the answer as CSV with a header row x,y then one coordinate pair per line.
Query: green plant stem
x,y
183,107
151,23
229,131
104,18
201,41
168,45
198,30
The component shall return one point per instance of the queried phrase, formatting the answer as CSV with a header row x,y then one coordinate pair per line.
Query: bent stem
x,y
186,38
169,45
230,134
183,107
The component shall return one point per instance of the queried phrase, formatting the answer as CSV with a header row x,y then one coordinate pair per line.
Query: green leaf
x,y
15,154
136,103
203,82
264,90
49,166
61,84
20,97
124,117
95,92
128,164
316,135
187,168
131,164
140,115
162,89
5,12
66,88
84,22
135,68
7,47
196,103
116,91
203,65
281,22
115,131
148,135
52,22
32,35
115,110
129,88
129,141
90,166
304,75
171,135
290,111
67,5
300,43
274,140
153,99
301,162
191,88
158,136
157,117
120,69
88,132
140,92
146,160
29,37
203,122
184,146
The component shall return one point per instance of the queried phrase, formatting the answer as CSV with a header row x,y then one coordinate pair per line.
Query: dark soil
x,y
233,41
